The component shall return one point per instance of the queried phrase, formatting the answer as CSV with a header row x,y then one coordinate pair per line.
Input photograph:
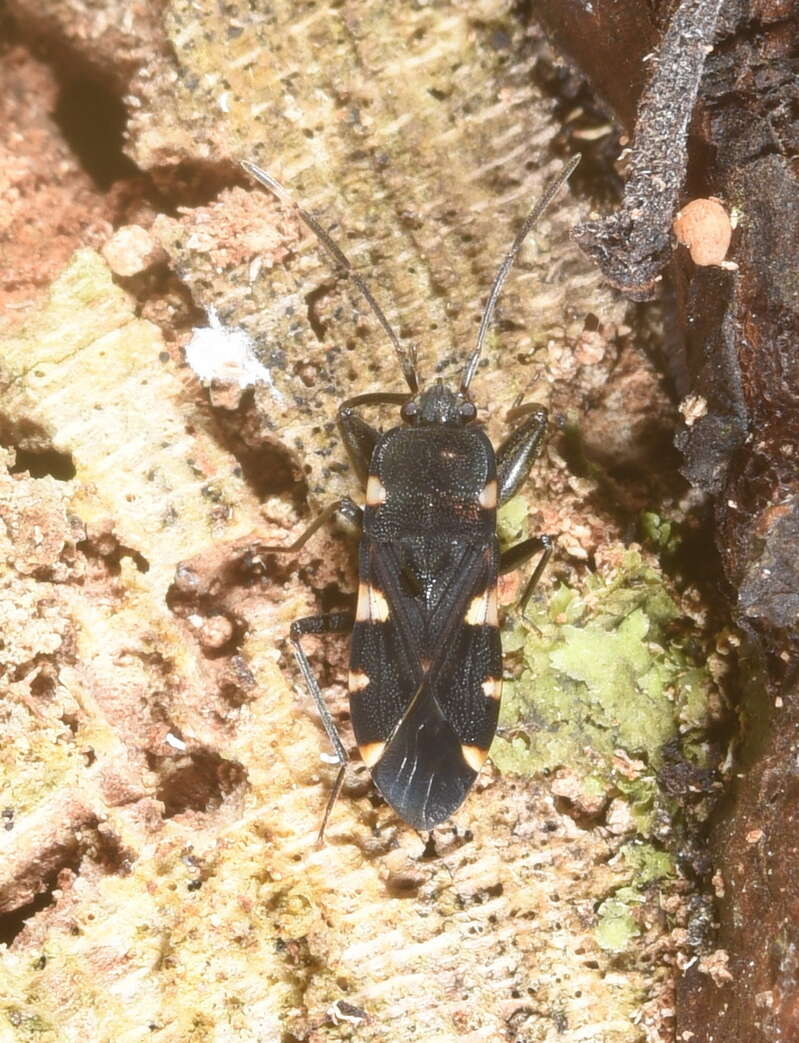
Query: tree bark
x,y
737,359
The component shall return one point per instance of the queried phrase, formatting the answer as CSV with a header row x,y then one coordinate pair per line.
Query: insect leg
x,y
348,514
332,623
516,454
359,437
513,557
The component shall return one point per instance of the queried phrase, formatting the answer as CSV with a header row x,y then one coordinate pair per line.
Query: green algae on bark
x,y
607,669
617,926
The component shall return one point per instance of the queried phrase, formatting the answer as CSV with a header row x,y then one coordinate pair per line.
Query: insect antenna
x,y
407,358
499,281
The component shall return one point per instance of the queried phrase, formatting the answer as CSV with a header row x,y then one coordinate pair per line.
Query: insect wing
x,y
424,678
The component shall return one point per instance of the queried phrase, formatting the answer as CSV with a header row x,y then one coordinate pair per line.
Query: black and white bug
x,y
426,662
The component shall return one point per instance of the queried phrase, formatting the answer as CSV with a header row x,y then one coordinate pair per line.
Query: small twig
x,y
631,246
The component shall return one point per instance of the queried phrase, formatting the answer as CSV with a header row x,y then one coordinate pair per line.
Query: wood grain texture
x,y
162,780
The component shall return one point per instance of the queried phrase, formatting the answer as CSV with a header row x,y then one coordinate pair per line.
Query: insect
x,y
425,673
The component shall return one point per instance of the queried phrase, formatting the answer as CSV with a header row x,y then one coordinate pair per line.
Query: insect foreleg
x,y
516,454
513,557
333,623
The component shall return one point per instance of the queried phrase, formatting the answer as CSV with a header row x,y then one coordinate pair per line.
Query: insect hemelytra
x,y
426,662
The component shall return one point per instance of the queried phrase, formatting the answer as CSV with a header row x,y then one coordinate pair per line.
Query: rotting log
x,y
735,363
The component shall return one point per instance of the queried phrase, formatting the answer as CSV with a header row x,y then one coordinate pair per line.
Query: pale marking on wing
x,y
488,497
372,605
492,687
358,680
482,610
474,756
375,492
371,752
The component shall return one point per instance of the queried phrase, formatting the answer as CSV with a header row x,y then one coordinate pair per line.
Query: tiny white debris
x,y
693,408
131,250
255,268
174,741
224,101
328,758
217,352
195,620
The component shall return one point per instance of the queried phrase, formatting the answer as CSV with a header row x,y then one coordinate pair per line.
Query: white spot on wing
x,y
482,610
492,687
358,680
474,756
372,752
375,491
372,605
488,497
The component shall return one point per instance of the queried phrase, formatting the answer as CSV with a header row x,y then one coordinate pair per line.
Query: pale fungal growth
x,y
704,226
220,353
716,965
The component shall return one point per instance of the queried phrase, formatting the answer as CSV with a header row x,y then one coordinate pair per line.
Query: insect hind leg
x,y
517,555
332,623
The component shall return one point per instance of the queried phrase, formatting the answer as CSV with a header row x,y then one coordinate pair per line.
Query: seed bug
x,y
425,673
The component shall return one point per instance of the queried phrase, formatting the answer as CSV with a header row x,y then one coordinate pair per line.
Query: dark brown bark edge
x,y
738,357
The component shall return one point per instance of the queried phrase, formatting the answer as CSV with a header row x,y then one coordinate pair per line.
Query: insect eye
x,y
468,411
410,410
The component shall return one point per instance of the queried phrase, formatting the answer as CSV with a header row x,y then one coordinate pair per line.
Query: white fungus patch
x,y
226,353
